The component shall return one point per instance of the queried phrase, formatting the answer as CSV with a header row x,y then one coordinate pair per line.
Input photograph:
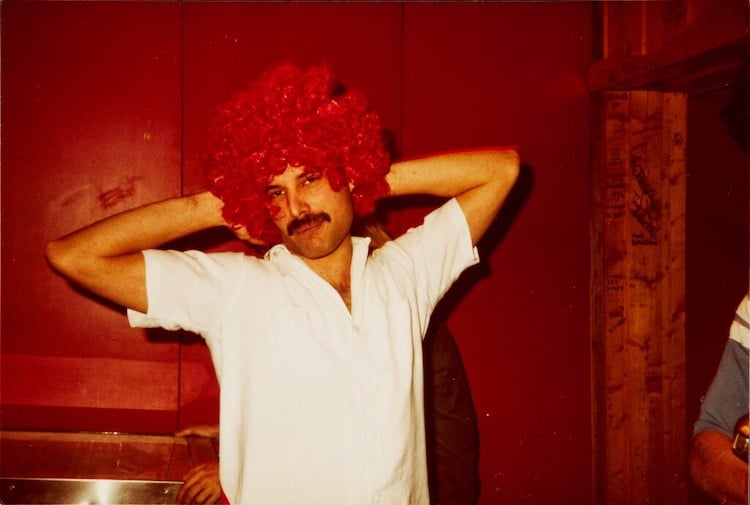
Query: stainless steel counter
x,y
96,468
86,491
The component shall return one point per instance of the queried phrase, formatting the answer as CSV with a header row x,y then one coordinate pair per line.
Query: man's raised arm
x,y
106,258
479,179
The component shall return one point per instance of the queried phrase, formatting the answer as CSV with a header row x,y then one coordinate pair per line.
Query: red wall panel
x,y
515,73
90,126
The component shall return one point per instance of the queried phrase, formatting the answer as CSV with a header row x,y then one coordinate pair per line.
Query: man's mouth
x,y
306,223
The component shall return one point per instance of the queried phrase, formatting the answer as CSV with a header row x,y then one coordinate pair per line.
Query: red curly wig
x,y
299,118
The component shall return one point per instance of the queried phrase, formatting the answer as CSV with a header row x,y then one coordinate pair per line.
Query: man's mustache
x,y
306,220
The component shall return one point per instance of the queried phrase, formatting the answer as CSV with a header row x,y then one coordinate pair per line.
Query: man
x,y
452,437
317,346
716,467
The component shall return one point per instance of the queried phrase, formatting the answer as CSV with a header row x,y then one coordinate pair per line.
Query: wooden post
x,y
638,323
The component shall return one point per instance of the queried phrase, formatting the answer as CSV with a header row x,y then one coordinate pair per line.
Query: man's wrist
x,y
208,209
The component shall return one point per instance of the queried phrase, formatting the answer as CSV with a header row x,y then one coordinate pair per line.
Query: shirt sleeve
x,y
185,289
430,257
727,397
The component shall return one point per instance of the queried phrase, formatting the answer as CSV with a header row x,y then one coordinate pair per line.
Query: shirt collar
x,y
280,256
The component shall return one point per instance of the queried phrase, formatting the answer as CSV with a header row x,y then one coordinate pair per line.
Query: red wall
x,y
90,126
515,74
99,116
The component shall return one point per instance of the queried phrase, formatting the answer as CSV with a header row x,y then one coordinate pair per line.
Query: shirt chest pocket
x,y
302,344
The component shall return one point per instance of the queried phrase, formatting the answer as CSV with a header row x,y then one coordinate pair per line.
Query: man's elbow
x,y
506,161
62,259
507,168
54,254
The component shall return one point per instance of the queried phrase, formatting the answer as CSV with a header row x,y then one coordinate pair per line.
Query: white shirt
x,y
318,406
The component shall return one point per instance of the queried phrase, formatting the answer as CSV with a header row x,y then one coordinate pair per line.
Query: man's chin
x,y
313,246
308,251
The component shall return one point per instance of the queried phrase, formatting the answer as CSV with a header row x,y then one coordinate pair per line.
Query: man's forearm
x,y
452,173
146,227
105,257
479,179
716,470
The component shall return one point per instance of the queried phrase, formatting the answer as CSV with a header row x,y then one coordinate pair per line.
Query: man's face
x,y
313,218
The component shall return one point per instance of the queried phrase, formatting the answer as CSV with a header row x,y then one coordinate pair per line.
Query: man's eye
x,y
275,193
310,178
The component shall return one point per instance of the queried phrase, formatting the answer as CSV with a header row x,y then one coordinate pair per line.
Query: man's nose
x,y
297,204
